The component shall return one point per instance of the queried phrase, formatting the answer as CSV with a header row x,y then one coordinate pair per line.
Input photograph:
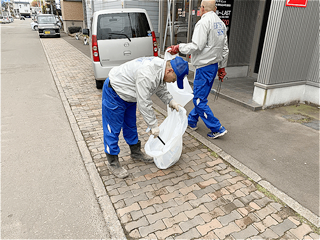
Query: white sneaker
x,y
222,131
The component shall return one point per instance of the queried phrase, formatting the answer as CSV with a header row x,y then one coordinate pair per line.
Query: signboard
x,y
224,11
296,3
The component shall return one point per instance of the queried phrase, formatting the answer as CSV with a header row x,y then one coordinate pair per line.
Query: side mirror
x,y
85,31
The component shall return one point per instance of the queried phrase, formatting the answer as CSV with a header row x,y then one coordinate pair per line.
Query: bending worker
x,y
209,51
131,84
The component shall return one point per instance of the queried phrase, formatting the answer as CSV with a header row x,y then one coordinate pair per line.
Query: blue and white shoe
x,y
222,131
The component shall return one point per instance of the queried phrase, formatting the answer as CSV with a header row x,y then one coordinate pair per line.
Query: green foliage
x,y
214,154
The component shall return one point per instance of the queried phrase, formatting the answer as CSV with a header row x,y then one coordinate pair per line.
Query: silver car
x,y
118,36
4,19
47,26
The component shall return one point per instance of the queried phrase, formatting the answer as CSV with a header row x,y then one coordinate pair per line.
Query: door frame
x,y
256,38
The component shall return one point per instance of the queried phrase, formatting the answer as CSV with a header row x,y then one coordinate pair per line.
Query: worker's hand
x,y
221,74
174,49
174,105
155,131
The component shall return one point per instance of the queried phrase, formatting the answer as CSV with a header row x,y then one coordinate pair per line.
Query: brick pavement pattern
x,y
201,196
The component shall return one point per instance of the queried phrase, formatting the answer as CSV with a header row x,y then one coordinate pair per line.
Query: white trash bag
x,y
181,96
171,133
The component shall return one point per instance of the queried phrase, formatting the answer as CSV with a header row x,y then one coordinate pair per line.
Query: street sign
x,y
296,3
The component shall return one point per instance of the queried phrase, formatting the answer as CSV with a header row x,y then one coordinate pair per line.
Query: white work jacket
x,y
209,42
137,81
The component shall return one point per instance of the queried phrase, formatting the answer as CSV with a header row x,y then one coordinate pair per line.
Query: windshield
x,y
123,25
46,19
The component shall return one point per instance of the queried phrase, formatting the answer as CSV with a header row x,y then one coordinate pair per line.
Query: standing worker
x,y
209,52
131,84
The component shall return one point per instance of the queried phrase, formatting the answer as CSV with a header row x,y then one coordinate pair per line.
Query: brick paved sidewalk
x,y
201,196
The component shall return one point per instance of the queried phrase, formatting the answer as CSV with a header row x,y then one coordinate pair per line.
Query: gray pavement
x,y
142,201
46,191
281,148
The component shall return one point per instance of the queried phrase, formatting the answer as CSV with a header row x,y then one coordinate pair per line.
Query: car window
x,y
46,19
122,25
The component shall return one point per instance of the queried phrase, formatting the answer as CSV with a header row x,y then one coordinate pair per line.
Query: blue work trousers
x,y
117,114
202,85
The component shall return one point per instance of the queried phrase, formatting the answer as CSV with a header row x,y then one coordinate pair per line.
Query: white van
x,y
118,36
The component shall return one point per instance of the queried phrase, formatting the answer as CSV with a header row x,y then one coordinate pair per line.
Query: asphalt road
x,y
46,192
283,152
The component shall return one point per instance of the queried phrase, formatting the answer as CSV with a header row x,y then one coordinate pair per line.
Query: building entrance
x,y
262,35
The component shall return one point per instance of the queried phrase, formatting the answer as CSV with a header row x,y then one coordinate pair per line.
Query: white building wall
x,y
311,95
269,96
23,7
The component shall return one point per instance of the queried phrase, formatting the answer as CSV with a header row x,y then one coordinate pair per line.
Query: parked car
x,y
47,26
4,19
34,25
118,36
11,19
58,21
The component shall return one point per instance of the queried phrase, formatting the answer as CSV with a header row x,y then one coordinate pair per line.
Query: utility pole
x,y
39,5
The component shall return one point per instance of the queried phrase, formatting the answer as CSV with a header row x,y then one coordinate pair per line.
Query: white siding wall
x,y
289,69
291,39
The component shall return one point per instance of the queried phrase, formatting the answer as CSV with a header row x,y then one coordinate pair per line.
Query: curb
x,y
297,207
110,217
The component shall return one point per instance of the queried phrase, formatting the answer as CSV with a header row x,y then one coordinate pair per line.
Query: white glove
x,y
174,105
155,131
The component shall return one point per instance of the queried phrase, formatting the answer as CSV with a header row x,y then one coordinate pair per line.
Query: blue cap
x,y
181,69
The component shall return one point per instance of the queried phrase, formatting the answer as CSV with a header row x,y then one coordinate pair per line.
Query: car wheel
x,y
36,28
99,84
